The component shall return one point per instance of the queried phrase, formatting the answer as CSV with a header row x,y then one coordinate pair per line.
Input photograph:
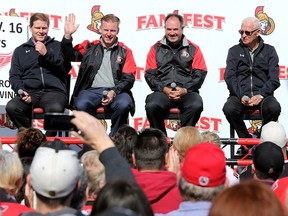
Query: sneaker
x,y
51,133
241,151
255,135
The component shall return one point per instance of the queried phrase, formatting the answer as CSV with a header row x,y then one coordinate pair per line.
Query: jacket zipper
x,y
42,77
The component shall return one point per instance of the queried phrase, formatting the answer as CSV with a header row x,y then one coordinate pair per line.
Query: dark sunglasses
x,y
248,33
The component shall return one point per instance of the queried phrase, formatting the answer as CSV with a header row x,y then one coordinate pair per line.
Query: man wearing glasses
x,y
252,76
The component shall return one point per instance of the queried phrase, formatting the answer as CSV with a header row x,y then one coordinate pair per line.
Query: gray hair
x,y
191,192
254,20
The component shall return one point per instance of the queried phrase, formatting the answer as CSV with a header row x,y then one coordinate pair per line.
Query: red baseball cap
x,y
9,209
204,165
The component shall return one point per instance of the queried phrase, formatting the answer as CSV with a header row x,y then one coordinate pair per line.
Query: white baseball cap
x,y
273,132
54,172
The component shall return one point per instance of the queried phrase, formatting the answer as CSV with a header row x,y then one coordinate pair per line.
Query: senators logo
x,y
184,53
13,13
173,125
95,19
5,59
119,58
267,23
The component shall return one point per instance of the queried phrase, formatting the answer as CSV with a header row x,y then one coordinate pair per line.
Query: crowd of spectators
x,y
138,173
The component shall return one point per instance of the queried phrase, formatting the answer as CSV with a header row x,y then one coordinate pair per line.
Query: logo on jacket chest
x,y
184,53
118,59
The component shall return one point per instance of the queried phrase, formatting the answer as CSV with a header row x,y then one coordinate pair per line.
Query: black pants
x,y
20,112
158,106
269,107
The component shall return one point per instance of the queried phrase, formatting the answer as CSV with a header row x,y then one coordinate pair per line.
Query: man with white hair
x,y
252,76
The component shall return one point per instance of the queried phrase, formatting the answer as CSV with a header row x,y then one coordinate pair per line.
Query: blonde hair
x,y
185,138
11,172
209,136
95,171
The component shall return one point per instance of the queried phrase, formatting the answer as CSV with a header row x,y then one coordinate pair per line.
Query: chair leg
x,y
232,132
232,147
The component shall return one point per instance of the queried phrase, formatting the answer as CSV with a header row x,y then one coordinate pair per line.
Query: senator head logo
x,y
96,16
267,23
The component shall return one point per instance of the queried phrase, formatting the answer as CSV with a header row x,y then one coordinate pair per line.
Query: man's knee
x,y
82,105
227,109
124,106
151,107
11,106
55,107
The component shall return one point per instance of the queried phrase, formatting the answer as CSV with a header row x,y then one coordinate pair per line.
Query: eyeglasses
x,y
248,33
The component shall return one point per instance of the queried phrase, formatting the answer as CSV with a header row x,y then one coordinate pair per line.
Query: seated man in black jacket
x,y
252,76
38,74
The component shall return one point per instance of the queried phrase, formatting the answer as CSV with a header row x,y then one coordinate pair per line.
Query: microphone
x,y
20,93
173,86
104,94
246,99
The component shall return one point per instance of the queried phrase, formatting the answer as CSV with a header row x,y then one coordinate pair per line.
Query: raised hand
x,y
69,26
91,131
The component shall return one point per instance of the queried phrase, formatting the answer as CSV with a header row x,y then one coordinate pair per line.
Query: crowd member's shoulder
x,y
246,173
9,209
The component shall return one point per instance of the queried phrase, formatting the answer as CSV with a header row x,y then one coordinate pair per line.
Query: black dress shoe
x,y
51,133
241,151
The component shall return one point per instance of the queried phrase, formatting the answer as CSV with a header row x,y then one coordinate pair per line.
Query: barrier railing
x,y
10,140
232,161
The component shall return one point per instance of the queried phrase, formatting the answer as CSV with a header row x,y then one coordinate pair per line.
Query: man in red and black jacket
x,y
106,74
175,71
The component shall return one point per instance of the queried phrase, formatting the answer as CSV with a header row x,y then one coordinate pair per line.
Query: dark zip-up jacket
x,y
185,66
31,71
244,77
91,54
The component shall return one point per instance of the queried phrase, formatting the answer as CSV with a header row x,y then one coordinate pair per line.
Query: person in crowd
x,y
27,142
124,195
268,162
125,140
252,76
212,137
159,185
246,198
11,172
185,138
38,74
275,132
116,167
271,132
96,177
280,188
106,74
175,71
55,177
202,177
79,199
